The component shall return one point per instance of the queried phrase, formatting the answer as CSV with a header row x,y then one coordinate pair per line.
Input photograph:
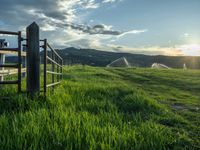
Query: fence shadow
x,y
13,103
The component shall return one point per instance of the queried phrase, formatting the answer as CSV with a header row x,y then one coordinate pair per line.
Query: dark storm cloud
x,y
97,29
18,13
14,12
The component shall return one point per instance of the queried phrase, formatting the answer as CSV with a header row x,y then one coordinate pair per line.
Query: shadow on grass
x,y
14,103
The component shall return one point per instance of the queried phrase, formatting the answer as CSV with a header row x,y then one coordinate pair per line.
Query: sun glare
x,y
190,49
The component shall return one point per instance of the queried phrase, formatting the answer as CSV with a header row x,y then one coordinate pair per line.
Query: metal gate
x,y
56,62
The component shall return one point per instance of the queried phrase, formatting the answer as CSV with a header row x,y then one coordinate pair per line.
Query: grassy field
x,y
105,108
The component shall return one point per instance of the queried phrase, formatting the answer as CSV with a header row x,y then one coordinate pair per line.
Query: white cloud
x,y
91,4
114,39
109,1
185,35
107,27
132,32
47,27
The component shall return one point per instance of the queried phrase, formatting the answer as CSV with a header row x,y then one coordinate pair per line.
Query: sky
x,y
152,27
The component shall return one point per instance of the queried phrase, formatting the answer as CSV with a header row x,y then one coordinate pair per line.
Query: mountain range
x,y
99,58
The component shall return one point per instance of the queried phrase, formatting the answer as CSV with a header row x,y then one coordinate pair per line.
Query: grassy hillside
x,y
104,108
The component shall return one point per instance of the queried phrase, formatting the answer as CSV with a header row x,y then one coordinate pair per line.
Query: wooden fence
x,y
32,66
16,51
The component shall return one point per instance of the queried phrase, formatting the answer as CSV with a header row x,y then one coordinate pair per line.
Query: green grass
x,y
105,108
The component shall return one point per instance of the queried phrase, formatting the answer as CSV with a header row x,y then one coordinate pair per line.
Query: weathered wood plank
x,y
8,33
12,53
11,72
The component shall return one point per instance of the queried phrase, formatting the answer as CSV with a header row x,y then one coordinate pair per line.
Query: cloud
x,y
148,50
100,29
110,1
61,21
50,23
186,35
123,34
132,32
53,14
65,10
96,29
91,4
48,27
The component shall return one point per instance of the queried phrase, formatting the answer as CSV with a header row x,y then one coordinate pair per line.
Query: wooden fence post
x,y
2,57
2,61
19,62
24,62
33,60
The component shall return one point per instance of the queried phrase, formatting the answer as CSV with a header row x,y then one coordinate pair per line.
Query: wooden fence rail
x,y
10,72
5,52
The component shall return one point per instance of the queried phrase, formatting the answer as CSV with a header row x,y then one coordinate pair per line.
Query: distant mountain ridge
x,y
99,58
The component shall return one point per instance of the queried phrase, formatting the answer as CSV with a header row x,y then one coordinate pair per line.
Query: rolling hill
x,y
99,58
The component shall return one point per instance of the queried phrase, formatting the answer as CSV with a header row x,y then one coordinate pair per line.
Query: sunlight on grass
x,y
99,108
